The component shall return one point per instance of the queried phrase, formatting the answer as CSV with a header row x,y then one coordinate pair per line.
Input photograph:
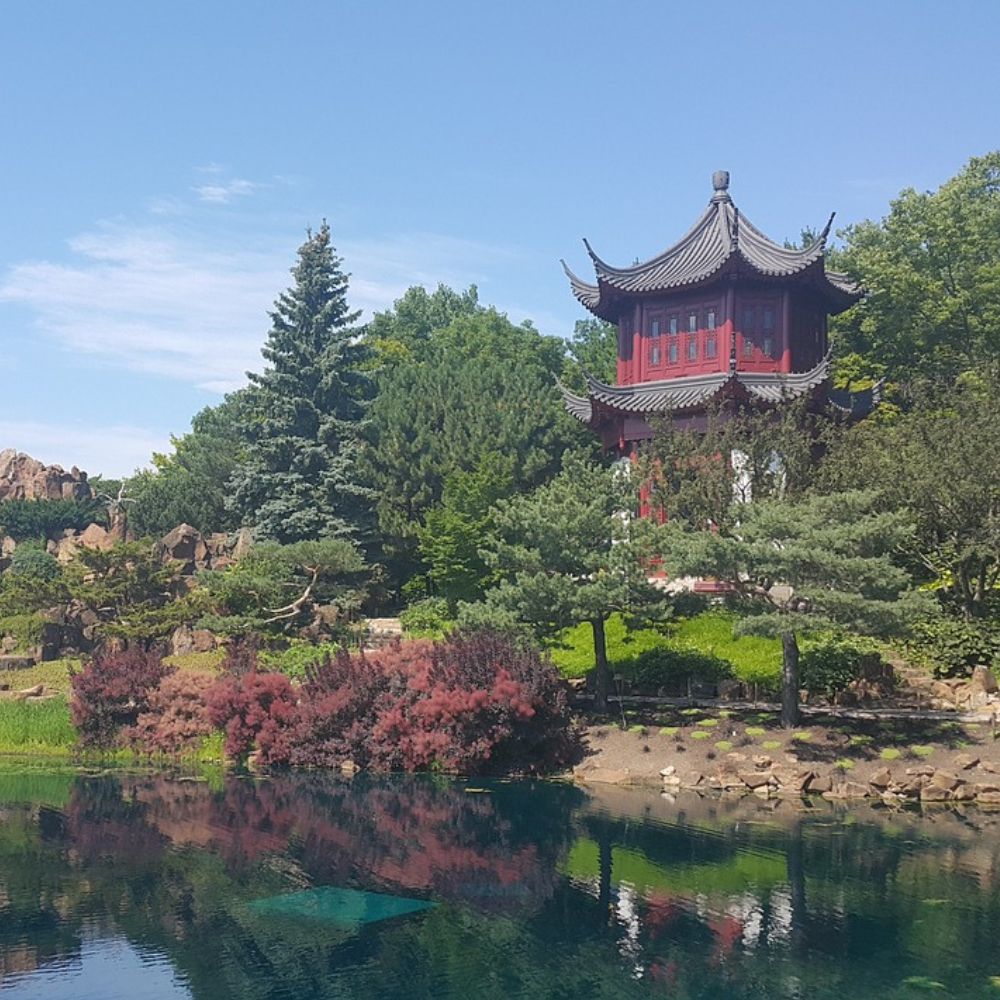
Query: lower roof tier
x,y
693,392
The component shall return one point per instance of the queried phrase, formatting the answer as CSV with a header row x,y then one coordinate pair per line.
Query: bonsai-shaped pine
x,y
303,415
569,553
837,554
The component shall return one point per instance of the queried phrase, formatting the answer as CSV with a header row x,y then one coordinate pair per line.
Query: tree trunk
x,y
789,680
603,677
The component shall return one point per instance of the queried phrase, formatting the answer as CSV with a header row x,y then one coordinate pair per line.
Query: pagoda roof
x,y
690,392
720,239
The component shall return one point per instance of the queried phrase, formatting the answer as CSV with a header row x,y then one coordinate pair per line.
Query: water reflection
x,y
540,890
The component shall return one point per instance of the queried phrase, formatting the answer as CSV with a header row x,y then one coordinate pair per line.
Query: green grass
x,y
891,753
208,662
701,735
755,730
724,745
36,727
771,744
922,750
752,659
54,674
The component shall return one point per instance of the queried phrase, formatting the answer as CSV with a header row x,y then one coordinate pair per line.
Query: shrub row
x,y
473,703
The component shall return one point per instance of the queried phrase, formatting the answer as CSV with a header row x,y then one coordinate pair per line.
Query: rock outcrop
x,y
25,478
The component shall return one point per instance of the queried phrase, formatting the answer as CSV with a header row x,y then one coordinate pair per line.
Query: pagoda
x,y
723,314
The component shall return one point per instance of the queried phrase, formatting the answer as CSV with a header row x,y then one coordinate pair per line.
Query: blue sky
x,y
162,160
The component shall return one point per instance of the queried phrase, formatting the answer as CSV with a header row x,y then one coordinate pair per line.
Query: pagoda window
x,y
767,323
654,328
672,326
672,351
692,347
710,347
654,353
710,319
692,322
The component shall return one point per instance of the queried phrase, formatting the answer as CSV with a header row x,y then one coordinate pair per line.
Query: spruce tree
x,y
306,411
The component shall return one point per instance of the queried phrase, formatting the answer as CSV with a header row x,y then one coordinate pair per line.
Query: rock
x,y
33,692
847,790
989,798
186,640
349,768
942,779
8,644
241,544
965,761
985,786
934,793
819,783
762,761
755,779
882,778
964,793
16,662
796,782
988,766
668,771
95,537
693,780
25,478
983,680
183,545
910,789
920,771
7,546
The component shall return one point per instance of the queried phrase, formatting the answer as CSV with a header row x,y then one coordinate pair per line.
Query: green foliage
x,y
190,485
40,519
25,628
276,587
829,663
937,465
837,552
32,562
931,270
593,350
429,619
951,647
129,590
453,531
690,481
298,657
303,416
564,555
479,386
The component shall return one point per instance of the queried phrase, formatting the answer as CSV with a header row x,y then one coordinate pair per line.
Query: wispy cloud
x,y
224,193
192,306
114,450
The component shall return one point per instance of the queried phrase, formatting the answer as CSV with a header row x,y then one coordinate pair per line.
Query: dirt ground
x,y
701,745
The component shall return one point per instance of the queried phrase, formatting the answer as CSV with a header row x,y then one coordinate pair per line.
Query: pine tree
x,y
306,411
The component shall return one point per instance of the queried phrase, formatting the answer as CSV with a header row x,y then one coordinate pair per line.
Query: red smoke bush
x,y
255,710
112,691
177,719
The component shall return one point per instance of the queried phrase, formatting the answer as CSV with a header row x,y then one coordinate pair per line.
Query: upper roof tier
x,y
722,240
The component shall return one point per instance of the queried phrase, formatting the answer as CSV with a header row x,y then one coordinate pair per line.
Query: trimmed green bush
x,y
427,619
829,663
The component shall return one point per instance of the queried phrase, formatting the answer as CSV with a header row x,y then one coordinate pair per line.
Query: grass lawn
x,y
37,727
752,659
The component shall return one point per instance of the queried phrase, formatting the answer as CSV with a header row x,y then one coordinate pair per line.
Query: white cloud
x,y
158,300
114,450
223,194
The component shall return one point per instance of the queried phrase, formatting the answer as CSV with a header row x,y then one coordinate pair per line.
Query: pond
x,y
148,885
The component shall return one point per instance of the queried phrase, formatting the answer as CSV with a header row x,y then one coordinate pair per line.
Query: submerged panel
x,y
342,907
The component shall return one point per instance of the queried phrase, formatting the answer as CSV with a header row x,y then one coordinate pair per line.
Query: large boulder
x,y
95,537
25,478
184,545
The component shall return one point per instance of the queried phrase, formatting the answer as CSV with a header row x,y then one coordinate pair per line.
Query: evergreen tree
x,y
838,554
306,410
567,554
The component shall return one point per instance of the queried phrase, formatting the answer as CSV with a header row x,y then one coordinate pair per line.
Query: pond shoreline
x,y
916,761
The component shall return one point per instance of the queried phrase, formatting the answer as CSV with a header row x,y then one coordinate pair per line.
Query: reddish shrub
x,y
112,691
256,710
177,719
474,703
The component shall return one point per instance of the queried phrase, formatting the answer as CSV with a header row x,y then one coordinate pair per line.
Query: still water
x,y
312,886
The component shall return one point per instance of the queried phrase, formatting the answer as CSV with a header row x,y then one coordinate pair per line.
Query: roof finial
x,y
720,184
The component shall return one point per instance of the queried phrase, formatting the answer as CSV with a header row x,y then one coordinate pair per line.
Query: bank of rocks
x,y
967,779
